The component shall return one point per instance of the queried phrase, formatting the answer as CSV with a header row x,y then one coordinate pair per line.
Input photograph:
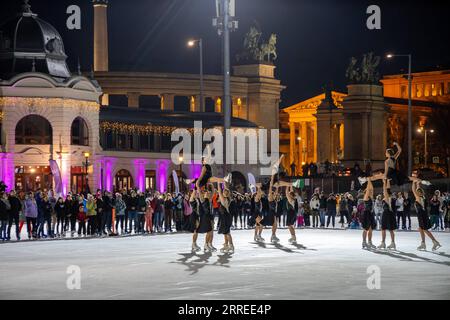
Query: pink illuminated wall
x,y
196,170
7,170
139,167
161,174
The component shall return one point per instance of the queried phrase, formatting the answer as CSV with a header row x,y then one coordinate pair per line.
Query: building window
x,y
403,91
144,143
166,143
441,89
80,132
34,129
433,90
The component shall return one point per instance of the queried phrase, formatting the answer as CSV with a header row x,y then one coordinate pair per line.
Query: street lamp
x,y
425,132
390,56
191,44
180,178
86,165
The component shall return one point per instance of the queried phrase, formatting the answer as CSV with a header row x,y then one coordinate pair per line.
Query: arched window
x,y
33,129
80,132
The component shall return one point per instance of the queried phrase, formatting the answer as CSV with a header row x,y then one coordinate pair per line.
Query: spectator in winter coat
x,y
31,213
4,208
120,208
60,210
14,212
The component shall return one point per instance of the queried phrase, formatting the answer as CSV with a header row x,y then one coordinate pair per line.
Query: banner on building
x,y
56,176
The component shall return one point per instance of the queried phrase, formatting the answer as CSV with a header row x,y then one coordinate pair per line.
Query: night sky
x,y
316,38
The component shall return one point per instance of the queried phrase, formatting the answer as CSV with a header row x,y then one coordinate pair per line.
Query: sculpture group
x,y
366,72
255,50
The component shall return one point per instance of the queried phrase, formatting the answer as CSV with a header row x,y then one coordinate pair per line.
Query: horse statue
x,y
353,73
251,50
269,49
369,67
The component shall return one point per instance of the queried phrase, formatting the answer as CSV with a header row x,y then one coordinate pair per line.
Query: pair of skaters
x,y
388,220
201,220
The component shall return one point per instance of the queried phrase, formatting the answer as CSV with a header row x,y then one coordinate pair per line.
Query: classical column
x,y
292,142
304,141
300,145
167,102
314,133
133,99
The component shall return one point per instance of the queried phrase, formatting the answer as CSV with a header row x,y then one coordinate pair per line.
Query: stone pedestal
x,y
263,96
365,113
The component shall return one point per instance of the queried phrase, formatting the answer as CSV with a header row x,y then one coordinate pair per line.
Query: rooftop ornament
x,y
366,72
255,49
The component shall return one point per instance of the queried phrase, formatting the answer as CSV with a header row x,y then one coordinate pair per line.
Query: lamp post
x,y
390,56
191,43
86,166
225,22
180,178
425,134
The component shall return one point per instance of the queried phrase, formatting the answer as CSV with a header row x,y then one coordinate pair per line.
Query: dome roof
x,y
28,43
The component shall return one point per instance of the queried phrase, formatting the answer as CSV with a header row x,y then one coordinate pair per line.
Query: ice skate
x,y
425,183
422,247
364,245
256,238
261,239
224,248
231,248
392,246
382,246
362,180
274,239
436,245
195,247
370,245
293,240
212,248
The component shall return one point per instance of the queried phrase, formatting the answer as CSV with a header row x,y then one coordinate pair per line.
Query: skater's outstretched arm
x,y
399,150
222,198
369,190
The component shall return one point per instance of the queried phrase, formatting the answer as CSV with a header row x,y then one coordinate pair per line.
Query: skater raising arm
x,y
399,150
368,194
223,198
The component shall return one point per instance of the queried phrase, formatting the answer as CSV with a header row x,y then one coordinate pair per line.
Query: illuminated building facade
x,y
300,132
52,116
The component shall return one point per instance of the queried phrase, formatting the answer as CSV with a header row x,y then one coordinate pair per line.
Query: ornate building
x,y
431,90
63,128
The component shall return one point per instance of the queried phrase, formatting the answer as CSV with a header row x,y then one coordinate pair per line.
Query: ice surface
x,y
332,266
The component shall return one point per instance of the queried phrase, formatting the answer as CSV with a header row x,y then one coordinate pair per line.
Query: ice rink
x,y
331,265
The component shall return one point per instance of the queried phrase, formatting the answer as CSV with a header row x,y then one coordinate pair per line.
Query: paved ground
x,y
331,266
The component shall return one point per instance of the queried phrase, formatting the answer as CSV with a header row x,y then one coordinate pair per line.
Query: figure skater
x,y
258,214
226,220
291,214
368,217
422,217
388,221
391,174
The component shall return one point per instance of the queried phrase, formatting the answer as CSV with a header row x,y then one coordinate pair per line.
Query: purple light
x,y
108,173
161,174
139,166
196,170
7,174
